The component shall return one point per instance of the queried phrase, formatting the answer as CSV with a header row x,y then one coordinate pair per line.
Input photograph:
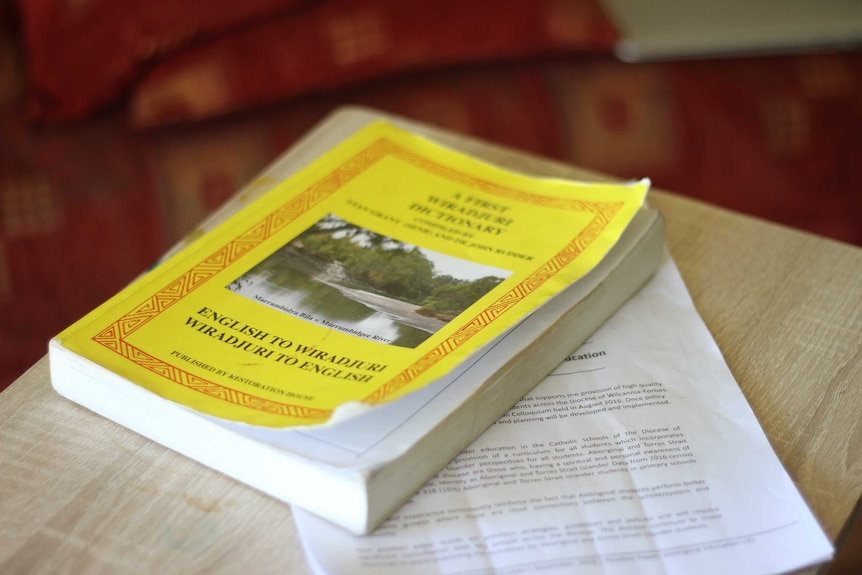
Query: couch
x,y
123,123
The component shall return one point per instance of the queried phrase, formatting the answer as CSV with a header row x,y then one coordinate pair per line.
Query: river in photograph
x,y
315,297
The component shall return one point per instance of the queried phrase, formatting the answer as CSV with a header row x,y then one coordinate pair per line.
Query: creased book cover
x,y
371,272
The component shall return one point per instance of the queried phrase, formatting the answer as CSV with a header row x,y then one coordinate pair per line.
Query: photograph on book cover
x,y
357,281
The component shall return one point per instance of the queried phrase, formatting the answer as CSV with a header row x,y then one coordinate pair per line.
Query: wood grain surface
x,y
786,310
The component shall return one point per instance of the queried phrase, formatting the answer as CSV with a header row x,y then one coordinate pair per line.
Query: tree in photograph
x,y
397,272
452,299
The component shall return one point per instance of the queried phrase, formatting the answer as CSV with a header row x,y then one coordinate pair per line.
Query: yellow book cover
x,y
373,271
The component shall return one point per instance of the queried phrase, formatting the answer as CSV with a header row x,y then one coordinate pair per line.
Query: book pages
x,y
639,454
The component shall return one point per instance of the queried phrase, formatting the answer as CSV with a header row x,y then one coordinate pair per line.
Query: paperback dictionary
x,y
360,312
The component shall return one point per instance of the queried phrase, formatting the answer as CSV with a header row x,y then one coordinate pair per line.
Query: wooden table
x,y
79,494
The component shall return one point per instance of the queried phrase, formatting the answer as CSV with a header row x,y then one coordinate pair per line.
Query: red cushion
x,y
81,54
345,41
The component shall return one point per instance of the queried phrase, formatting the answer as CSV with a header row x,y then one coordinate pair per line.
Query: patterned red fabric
x,y
80,55
78,220
775,137
342,42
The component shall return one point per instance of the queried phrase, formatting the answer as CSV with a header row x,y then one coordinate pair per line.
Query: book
x,y
289,344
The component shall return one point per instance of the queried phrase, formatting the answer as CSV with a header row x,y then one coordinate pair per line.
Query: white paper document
x,y
639,454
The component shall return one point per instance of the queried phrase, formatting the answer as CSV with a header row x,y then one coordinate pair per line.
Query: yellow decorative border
x,y
114,336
